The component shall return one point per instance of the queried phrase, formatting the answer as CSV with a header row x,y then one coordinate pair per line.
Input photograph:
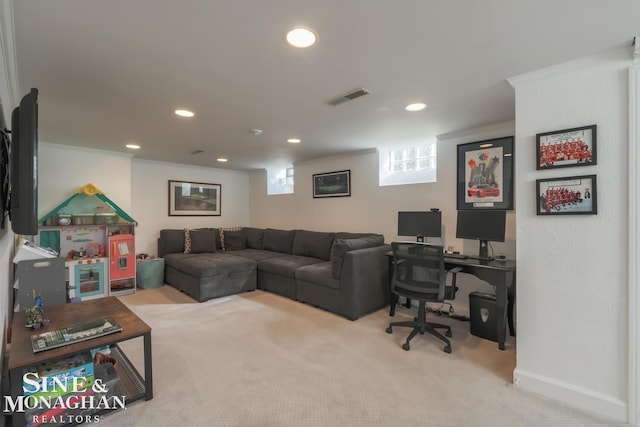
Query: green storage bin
x,y
150,273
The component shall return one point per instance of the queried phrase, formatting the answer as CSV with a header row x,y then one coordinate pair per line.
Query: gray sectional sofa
x,y
345,273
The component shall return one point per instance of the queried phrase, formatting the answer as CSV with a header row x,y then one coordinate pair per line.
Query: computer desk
x,y
499,273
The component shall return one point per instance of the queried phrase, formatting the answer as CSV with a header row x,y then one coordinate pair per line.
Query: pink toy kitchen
x,y
97,240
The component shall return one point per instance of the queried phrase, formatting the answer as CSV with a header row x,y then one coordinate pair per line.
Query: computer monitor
x,y
482,225
420,224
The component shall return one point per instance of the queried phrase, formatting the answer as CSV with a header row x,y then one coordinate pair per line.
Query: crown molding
x,y
9,87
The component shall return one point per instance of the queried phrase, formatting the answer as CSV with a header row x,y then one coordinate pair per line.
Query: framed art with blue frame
x,y
485,174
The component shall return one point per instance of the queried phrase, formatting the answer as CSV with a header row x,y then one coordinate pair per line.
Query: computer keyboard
x,y
457,256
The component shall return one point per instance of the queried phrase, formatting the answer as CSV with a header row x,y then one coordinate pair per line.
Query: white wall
x,y
572,270
374,209
150,186
139,187
64,169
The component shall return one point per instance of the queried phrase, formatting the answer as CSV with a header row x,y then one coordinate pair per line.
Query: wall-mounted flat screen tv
x,y
23,165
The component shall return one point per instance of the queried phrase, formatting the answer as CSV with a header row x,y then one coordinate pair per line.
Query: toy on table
x,y
34,316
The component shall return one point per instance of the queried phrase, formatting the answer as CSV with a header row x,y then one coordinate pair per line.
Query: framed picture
x,y
332,184
485,175
566,148
194,198
573,195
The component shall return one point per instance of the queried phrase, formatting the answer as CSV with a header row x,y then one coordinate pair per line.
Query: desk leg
x,y
510,306
501,309
503,305
148,368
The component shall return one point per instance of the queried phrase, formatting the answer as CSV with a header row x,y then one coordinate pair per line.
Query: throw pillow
x,y
234,240
224,233
203,241
187,241
171,241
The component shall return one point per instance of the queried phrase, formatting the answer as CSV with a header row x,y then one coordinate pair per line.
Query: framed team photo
x,y
566,148
573,195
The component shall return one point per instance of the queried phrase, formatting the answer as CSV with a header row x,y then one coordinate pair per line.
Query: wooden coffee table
x,y
130,384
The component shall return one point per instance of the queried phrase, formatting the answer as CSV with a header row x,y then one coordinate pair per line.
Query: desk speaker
x,y
482,316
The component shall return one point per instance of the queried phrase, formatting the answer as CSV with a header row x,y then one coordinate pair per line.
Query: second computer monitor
x,y
420,224
483,225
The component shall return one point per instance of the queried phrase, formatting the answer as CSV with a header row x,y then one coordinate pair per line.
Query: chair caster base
x,y
447,349
406,347
388,330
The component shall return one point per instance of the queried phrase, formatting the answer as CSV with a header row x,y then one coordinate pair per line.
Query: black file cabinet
x,y
483,316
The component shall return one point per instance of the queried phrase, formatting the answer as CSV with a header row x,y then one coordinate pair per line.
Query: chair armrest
x,y
455,270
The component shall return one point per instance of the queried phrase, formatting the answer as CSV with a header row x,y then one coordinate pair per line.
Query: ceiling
x,y
112,72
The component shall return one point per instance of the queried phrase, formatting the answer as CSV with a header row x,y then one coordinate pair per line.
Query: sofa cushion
x,y
342,246
285,265
255,237
319,274
279,240
346,235
257,254
207,265
313,244
172,241
201,241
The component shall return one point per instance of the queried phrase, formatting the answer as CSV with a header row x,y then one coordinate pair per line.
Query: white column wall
x,y
572,270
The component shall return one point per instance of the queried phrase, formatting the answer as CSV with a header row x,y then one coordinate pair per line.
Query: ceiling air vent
x,y
357,93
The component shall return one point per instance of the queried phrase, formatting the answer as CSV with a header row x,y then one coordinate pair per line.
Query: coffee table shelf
x,y
131,383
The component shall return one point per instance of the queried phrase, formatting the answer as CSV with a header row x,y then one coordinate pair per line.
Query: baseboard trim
x,y
583,399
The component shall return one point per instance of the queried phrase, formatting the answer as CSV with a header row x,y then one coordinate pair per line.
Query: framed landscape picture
x,y
573,195
332,184
485,175
566,148
194,198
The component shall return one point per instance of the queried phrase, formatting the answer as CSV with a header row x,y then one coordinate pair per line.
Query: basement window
x,y
280,181
407,165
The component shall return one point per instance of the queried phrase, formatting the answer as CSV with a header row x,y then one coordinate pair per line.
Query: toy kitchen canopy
x,y
88,199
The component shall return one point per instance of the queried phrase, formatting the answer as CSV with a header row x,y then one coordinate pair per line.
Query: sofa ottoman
x,y
211,275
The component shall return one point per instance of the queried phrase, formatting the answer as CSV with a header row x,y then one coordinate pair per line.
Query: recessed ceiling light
x,y
184,113
133,146
222,159
294,140
418,106
301,37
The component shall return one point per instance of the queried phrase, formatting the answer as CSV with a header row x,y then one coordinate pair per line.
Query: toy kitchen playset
x,y
97,240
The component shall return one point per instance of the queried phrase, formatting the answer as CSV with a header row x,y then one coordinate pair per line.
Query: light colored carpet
x,y
258,359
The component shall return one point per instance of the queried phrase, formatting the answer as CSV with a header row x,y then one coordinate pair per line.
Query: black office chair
x,y
419,274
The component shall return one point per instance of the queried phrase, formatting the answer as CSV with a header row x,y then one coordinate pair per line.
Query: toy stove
x,y
87,278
